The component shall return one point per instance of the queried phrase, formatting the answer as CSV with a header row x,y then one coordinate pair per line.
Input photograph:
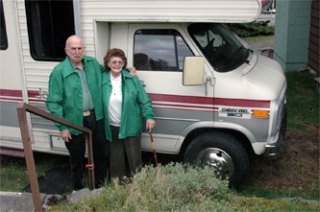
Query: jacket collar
x,y
124,74
68,67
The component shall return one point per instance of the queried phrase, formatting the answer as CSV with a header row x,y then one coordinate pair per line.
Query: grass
x,y
302,101
274,193
15,168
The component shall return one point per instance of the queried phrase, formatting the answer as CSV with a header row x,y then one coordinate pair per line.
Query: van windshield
x,y
221,48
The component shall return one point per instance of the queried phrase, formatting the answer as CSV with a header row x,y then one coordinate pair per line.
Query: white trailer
x,y
215,101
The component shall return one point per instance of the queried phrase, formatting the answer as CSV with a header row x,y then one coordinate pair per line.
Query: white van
x,y
215,101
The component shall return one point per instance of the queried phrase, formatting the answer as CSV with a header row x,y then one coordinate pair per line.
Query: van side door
x,y
157,51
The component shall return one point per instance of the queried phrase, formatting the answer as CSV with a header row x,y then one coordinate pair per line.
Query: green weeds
x,y
165,188
176,187
302,102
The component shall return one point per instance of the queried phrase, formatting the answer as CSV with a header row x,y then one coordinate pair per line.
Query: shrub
x,y
165,188
252,29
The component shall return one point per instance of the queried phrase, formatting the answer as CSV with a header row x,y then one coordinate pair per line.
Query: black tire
x,y
223,153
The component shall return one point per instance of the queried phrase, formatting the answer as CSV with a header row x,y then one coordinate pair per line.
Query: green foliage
x,y
174,187
302,101
252,29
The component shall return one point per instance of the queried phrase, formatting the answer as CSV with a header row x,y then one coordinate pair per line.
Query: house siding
x,y
313,56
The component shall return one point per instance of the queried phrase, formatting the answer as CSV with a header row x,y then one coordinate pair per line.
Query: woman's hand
x,y
132,71
150,124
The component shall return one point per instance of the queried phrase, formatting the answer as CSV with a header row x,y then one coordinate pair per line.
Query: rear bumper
x,y
275,151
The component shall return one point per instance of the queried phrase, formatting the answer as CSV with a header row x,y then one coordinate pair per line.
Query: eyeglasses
x,y
115,62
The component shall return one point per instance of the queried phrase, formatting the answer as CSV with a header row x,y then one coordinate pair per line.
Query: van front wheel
x,y
222,152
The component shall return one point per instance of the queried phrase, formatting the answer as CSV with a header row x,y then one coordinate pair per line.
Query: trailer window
x,y
50,23
159,50
4,38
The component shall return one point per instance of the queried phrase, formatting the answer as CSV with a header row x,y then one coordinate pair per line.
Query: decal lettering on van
x,y
43,94
234,112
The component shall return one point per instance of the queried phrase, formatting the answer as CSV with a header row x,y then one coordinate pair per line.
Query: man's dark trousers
x,y
77,148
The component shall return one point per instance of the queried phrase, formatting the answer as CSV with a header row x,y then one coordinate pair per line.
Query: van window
x,y
159,50
221,48
4,38
50,23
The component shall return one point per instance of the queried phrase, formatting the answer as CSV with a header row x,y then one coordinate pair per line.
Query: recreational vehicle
x,y
215,101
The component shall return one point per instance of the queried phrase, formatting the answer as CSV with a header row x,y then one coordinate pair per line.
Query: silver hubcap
x,y
218,159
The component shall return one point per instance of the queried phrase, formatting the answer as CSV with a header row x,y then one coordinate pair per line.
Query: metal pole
x,y
90,166
25,135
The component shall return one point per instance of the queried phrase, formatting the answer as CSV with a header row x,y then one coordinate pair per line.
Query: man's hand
x,y
65,135
132,71
150,124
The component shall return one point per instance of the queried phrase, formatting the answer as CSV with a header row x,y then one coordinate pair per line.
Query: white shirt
x,y
115,103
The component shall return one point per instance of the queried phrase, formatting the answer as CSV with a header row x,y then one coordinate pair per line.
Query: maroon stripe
x,y
17,93
185,106
210,100
13,93
33,94
170,98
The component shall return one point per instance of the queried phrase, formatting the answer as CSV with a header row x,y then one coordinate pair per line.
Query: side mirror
x,y
193,73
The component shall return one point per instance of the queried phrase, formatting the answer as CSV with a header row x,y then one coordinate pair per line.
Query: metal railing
x,y
22,108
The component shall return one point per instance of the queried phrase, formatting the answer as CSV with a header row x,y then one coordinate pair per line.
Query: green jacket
x,y
135,105
65,92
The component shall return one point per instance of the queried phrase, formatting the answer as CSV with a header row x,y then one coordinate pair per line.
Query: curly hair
x,y
114,53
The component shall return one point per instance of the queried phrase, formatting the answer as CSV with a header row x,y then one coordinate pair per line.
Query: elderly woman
x,y
125,102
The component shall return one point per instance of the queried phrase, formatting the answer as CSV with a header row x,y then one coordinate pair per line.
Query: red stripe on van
x,y
13,93
18,93
33,94
211,101
167,98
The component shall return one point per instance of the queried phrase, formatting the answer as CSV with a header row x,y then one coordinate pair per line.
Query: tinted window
x,y
221,48
50,23
159,50
3,35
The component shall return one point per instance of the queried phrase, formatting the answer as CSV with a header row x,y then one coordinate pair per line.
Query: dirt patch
x,y
55,181
298,169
